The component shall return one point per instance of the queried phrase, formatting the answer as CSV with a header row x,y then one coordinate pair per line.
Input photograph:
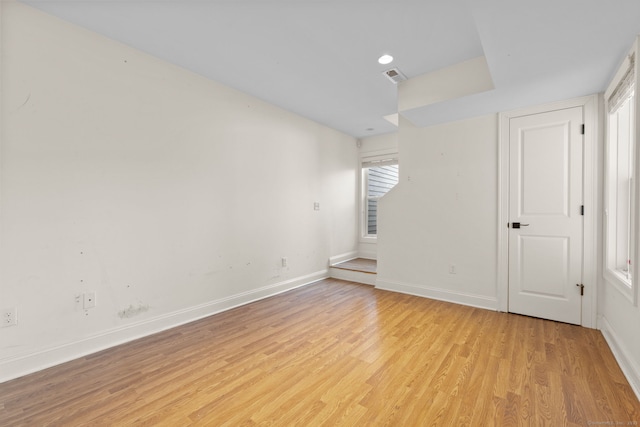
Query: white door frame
x,y
590,106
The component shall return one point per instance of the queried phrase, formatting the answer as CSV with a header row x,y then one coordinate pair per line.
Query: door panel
x,y
545,255
544,149
543,265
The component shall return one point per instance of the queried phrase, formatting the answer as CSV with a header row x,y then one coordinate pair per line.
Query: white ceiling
x,y
318,58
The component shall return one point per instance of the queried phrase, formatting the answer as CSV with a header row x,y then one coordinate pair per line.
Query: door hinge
x,y
582,210
581,286
582,130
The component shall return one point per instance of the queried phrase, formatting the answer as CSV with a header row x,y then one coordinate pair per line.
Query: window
x,y
378,177
620,150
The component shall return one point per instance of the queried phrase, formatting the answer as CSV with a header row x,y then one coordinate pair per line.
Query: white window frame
x,y
365,159
622,86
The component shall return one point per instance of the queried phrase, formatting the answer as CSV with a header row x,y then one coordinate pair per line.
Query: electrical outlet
x,y
452,269
9,316
285,262
89,300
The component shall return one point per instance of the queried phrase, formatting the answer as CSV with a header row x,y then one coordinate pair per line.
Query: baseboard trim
x,y
19,366
440,294
343,257
353,276
629,367
367,255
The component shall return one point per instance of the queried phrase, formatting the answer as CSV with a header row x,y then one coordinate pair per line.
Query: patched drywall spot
x,y
24,103
132,311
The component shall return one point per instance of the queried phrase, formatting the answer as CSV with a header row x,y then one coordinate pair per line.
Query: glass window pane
x,y
620,151
623,190
380,179
372,217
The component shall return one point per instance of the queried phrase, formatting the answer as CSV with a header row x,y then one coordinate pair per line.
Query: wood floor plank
x,y
338,353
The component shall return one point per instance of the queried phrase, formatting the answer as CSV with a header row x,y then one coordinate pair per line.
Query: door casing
x,y
591,108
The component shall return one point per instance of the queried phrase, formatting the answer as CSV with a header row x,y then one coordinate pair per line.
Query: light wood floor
x,y
338,353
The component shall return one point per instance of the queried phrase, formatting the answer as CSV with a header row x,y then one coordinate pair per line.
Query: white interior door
x,y
545,199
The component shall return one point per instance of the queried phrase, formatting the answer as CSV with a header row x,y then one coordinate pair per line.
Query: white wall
x,y
619,320
169,195
619,311
442,213
373,146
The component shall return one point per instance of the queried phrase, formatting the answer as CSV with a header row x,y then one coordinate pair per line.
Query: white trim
x,y
610,276
336,259
591,111
626,64
391,161
502,291
636,175
372,240
635,226
353,276
590,106
433,292
23,365
629,366
613,275
377,154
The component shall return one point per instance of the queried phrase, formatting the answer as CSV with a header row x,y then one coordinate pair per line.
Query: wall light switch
x,y
316,206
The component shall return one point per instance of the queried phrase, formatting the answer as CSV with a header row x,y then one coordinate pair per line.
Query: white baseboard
x,y
367,254
343,257
15,367
440,294
629,366
353,276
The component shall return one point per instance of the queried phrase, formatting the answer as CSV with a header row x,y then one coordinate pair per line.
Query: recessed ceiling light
x,y
385,59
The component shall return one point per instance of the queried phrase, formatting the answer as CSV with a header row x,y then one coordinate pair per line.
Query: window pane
x,y
623,190
620,167
372,216
380,179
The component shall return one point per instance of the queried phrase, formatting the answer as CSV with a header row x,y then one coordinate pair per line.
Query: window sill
x,y
369,239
